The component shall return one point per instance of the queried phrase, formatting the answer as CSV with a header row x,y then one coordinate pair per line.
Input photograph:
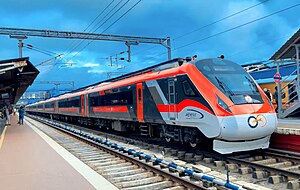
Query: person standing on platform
x,y
268,94
7,115
21,115
276,98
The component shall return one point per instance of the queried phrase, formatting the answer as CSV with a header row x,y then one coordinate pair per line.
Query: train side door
x,y
172,99
82,104
139,102
86,103
55,106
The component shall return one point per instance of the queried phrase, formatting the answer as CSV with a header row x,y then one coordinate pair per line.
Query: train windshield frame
x,y
231,79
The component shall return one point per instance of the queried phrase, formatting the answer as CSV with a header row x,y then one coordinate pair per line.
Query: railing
x,y
291,88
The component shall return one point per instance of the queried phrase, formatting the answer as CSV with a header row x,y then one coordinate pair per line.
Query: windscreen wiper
x,y
224,87
252,85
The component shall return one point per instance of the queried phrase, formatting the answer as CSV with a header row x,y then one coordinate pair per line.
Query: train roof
x,y
145,70
98,86
162,70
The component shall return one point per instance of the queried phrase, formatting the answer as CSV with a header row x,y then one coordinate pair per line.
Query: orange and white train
x,y
189,101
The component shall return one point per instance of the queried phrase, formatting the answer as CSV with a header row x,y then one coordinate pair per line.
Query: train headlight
x,y
223,104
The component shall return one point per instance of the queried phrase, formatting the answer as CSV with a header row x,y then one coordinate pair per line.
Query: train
x,y
195,102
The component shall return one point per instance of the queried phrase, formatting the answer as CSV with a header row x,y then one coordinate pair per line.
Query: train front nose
x,y
245,132
247,126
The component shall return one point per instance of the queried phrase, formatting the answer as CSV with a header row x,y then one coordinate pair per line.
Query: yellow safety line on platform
x,y
2,136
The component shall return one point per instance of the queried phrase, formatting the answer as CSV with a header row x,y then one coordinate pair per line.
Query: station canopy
x,y
288,50
16,75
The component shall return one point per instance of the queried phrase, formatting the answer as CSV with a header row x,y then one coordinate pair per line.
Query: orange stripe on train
x,y
179,107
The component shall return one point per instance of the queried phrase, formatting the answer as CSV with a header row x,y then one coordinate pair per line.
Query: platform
x,y
31,160
287,135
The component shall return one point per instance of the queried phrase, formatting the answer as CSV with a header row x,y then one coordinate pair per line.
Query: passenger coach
x,y
195,102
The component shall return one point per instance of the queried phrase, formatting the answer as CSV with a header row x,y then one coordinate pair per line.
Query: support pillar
x,y
20,43
279,91
297,46
169,48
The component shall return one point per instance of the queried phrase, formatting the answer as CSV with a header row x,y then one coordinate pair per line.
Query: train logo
x,y
259,120
193,114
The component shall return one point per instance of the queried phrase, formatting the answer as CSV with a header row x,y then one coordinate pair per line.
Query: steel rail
x,y
264,167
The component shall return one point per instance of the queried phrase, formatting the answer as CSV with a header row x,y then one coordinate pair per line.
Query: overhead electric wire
x,y
217,21
210,24
228,30
38,51
92,22
101,24
34,48
122,15
99,15
238,26
257,46
112,23
92,29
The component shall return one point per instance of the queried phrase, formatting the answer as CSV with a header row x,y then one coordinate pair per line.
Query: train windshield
x,y
231,79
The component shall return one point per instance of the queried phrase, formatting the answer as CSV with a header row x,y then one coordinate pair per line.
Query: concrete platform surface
x,y
287,135
27,162
289,123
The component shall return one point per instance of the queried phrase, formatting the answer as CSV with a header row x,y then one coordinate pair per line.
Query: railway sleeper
x,y
140,181
121,168
155,185
277,179
117,165
107,163
124,173
245,170
295,184
292,168
94,155
104,161
260,174
178,187
91,160
159,185
281,164
132,177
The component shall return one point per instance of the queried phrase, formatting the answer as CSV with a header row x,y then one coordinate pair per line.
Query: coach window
x,y
188,91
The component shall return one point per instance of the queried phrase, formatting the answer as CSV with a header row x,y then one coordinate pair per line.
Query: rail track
x,y
273,169
122,169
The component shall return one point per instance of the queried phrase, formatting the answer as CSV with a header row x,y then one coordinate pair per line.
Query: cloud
x,y
155,18
96,71
91,65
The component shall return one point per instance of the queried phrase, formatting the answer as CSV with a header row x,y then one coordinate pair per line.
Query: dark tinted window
x,y
230,78
65,103
110,98
49,105
188,91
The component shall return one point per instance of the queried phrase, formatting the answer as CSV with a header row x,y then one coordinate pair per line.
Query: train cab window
x,y
188,91
231,79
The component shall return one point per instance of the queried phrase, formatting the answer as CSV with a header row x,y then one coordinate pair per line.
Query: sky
x,y
194,27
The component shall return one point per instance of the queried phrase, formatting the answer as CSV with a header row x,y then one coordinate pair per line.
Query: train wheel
x,y
193,144
168,139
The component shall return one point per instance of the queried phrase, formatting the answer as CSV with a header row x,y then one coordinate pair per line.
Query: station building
x,y
285,62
